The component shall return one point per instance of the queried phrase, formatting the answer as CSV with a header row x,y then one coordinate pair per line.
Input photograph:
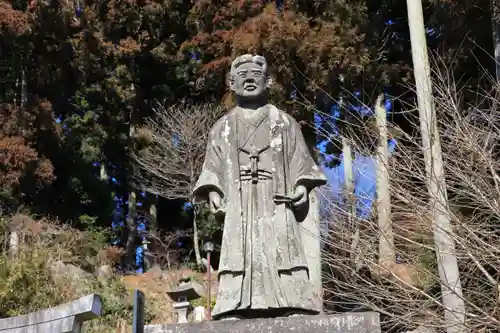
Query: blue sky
x,y
364,172
364,167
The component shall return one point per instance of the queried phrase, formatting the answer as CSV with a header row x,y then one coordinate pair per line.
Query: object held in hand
x,y
281,198
220,214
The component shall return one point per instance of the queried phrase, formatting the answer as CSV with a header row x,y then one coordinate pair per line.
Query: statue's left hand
x,y
300,196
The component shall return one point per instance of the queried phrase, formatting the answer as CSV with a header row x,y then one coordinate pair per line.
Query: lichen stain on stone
x,y
273,124
226,132
276,142
285,120
352,321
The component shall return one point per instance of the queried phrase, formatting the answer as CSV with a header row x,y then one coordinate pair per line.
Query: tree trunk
x,y
131,222
451,287
352,226
387,254
495,25
196,240
14,235
349,181
153,216
130,246
103,173
153,227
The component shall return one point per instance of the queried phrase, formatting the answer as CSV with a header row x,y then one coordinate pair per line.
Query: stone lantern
x,y
186,291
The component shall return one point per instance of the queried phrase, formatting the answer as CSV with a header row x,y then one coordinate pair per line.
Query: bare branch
x,y
408,293
178,136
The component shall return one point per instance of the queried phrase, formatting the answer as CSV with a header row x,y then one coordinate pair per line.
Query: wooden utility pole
x,y
387,251
451,288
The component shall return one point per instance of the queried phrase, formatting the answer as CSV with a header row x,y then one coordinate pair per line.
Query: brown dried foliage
x,y
13,22
18,140
296,45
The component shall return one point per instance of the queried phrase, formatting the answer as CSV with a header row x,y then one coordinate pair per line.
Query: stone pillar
x,y
182,307
199,314
13,242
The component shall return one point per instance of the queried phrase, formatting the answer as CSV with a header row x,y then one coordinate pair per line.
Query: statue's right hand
x,y
214,201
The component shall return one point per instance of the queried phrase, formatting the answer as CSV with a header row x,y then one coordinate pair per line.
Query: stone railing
x,y
65,318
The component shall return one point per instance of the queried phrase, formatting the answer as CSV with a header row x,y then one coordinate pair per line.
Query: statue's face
x,y
250,80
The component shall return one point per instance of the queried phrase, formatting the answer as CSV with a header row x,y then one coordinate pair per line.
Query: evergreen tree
x,y
77,79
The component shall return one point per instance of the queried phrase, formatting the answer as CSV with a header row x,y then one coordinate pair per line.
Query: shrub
x,y
30,284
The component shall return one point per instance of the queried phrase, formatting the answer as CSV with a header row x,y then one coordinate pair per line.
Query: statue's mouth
x,y
250,87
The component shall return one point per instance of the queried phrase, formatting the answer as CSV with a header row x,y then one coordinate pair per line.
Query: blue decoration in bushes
x,y
78,11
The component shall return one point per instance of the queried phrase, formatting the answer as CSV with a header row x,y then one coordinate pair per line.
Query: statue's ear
x,y
269,81
230,82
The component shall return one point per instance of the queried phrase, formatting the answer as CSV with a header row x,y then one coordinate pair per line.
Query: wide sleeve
x,y
211,174
303,168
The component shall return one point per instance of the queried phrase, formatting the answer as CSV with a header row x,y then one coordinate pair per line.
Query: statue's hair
x,y
246,58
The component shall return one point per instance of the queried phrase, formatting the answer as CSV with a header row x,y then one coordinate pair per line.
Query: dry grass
x,y
28,284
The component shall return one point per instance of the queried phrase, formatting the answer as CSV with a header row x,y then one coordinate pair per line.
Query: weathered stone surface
x,y
311,242
64,318
367,322
259,179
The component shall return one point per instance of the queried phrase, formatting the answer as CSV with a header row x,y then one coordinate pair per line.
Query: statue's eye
x,y
257,73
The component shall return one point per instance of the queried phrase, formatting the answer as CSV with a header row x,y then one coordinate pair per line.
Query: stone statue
x,y
257,177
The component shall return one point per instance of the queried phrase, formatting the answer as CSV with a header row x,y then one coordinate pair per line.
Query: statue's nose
x,y
249,81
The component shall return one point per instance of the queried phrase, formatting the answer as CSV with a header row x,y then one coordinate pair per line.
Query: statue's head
x,y
248,77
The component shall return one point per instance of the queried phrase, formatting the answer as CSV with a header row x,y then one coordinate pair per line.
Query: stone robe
x,y
248,160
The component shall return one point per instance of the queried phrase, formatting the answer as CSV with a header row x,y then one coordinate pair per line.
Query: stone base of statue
x,y
361,322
